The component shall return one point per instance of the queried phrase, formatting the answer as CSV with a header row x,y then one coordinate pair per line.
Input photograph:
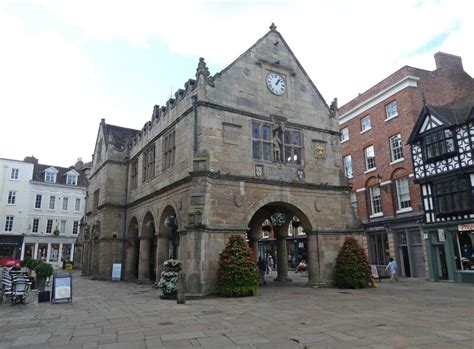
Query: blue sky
x,y
67,64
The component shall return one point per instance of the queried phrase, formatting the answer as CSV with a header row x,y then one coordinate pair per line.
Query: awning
x,y
11,240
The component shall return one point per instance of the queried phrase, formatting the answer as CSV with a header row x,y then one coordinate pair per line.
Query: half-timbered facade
x,y
443,160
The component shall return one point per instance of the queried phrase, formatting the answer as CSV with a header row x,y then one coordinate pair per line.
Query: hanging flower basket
x,y
278,219
170,222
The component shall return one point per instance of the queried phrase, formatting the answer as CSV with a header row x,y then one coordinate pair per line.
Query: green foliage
x,y
352,267
237,275
32,263
43,270
25,262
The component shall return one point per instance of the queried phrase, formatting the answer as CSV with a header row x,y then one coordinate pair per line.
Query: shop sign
x,y
466,227
62,287
441,236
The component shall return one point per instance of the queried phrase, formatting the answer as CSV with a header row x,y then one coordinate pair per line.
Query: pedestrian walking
x,y
269,265
262,268
392,269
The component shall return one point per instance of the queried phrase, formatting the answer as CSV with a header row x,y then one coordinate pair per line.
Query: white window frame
x,y
403,192
365,126
396,148
353,198
77,205
347,167
15,174
50,177
375,202
52,202
33,225
391,110
344,134
75,227
49,226
8,227
65,203
11,200
369,165
71,179
62,227
38,200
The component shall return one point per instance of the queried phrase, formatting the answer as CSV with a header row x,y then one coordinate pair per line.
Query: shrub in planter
x,y
237,275
352,267
169,277
43,271
25,262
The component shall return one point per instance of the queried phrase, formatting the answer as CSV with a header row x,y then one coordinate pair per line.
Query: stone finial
x,y
156,112
202,68
273,27
333,110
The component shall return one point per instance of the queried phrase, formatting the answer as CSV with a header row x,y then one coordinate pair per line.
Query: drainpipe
x,y
195,141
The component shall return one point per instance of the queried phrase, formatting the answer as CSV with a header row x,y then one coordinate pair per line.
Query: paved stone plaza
x,y
409,314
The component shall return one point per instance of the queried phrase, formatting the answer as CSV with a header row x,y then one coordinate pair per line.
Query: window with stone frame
x,y
35,226
49,226
261,141
347,164
365,124
11,200
14,173
52,201
396,147
65,203
9,223
149,163
375,201
169,150
438,144
38,200
134,174
77,206
391,110
75,227
344,134
403,193
453,196
369,154
293,147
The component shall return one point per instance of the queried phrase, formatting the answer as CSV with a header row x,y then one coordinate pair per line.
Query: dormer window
x,y
71,179
50,177
438,144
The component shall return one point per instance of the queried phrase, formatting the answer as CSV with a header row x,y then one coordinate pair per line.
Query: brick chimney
x,y
31,160
448,61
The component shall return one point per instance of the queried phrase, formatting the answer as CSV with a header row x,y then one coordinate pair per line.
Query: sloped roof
x,y
454,113
118,136
38,175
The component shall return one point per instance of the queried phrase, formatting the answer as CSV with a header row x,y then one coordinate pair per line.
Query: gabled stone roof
x,y
118,136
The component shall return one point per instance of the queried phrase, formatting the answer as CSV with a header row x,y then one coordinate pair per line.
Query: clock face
x,y
276,84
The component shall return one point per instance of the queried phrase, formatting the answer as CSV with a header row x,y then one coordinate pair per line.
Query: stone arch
x,y
398,172
147,229
167,237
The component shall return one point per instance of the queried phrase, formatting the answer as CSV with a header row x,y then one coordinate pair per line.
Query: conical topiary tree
x,y
352,266
237,275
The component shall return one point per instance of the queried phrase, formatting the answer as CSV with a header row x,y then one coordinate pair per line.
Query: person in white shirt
x,y
392,269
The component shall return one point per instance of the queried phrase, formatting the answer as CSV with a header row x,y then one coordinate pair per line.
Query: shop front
x,y
450,252
10,247
53,250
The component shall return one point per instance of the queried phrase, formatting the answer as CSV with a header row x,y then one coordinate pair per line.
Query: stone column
x,y
144,260
131,260
313,265
282,255
60,252
22,253
35,253
162,250
253,244
71,254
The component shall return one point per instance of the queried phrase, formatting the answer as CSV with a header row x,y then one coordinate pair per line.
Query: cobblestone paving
x,y
409,314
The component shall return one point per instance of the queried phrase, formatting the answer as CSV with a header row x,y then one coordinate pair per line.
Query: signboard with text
x,y
62,287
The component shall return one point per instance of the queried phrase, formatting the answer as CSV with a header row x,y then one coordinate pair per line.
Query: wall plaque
x,y
258,170
231,133
319,148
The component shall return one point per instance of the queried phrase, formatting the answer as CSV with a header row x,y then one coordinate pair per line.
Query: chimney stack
x,y
447,61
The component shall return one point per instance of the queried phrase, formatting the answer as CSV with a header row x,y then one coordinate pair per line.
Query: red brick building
x,y
375,127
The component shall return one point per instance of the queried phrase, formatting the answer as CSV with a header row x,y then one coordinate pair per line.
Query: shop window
x,y
378,249
463,251
54,253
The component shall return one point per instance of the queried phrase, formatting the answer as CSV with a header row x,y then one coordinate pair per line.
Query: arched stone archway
x,y
132,250
167,238
146,262
280,215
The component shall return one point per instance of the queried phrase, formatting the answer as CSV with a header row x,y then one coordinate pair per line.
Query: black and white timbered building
x,y
442,144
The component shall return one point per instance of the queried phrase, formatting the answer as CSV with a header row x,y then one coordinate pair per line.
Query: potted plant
x,y
237,275
169,278
352,267
56,231
43,271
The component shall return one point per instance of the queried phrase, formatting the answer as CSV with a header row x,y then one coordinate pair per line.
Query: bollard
x,y
181,288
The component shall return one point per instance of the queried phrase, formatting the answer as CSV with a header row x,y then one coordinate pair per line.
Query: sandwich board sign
x,y
62,287
116,271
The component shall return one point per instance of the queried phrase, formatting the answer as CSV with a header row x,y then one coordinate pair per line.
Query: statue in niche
x,y
277,141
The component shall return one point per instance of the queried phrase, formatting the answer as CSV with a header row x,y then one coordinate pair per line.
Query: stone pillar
x,y
282,255
71,254
48,252
144,260
253,244
131,260
60,252
162,250
35,253
22,253
313,265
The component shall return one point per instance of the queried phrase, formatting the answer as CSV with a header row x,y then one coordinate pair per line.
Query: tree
x,y
237,275
352,266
